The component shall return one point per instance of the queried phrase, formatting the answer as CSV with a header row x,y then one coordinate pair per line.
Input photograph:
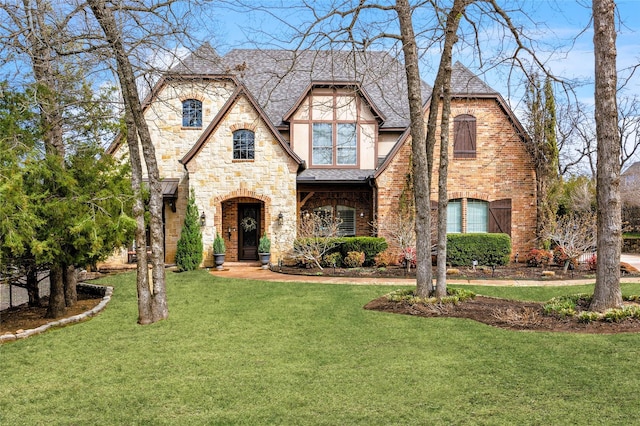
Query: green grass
x,y
250,352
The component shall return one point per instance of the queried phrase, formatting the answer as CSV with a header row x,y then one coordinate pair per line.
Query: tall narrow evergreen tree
x,y
189,252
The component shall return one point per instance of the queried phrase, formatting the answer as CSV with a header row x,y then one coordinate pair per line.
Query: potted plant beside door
x,y
218,251
264,251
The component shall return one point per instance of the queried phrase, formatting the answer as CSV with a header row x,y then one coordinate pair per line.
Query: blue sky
x,y
552,23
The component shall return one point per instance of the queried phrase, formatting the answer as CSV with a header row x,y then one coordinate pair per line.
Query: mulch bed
x,y
503,313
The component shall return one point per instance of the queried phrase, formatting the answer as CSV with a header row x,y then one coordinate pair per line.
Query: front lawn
x,y
251,352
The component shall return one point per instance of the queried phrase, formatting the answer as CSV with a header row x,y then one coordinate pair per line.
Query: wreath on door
x,y
248,224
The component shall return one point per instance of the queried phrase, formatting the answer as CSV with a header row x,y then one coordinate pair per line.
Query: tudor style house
x,y
263,136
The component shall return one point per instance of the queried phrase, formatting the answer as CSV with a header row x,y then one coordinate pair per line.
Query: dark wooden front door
x,y
248,231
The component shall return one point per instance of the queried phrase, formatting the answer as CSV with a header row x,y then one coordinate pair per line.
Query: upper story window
x,y
464,131
243,145
191,113
334,144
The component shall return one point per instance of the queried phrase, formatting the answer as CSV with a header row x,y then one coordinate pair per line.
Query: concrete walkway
x,y
253,271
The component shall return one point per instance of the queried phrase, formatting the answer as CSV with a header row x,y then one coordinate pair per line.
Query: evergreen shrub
x,y
189,250
487,249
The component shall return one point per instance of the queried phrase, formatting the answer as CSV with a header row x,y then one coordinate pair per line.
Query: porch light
x,y
361,214
203,219
280,219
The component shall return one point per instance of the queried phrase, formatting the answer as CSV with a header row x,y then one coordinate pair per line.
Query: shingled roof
x,y
464,82
278,78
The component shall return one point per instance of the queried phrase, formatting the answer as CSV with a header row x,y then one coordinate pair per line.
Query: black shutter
x,y
500,216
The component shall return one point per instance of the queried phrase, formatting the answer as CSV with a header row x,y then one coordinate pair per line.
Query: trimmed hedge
x,y
487,249
370,246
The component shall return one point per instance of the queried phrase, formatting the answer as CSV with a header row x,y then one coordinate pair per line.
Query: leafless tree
x,y
607,293
574,234
152,302
317,235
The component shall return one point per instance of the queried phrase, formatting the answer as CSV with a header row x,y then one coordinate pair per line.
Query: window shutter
x,y
464,130
500,216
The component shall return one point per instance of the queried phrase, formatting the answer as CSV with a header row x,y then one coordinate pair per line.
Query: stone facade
x,y
221,183
281,179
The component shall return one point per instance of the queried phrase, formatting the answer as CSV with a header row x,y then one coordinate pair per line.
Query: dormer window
x,y
191,113
243,145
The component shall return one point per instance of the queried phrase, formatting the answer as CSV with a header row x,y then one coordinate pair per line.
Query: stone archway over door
x,y
248,230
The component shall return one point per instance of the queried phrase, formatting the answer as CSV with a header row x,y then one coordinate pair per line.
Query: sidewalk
x,y
252,271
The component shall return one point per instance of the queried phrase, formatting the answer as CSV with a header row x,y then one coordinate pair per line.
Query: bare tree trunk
x,y
70,280
421,183
443,83
33,289
105,17
607,293
142,277
56,294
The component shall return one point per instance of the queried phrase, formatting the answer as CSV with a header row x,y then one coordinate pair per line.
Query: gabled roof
x,y
238,92
464,85
464,82
335,84
278,78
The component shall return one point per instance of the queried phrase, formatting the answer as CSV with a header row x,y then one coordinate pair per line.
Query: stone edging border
x,y
106,292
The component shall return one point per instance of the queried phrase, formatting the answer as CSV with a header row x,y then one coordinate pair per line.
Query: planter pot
x,y
218,260
265,258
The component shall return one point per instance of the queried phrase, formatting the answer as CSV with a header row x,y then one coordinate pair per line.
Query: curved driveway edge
x,y
106,292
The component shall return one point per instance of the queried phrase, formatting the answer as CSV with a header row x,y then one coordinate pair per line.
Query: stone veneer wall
x,y
270,179
502,169
172,141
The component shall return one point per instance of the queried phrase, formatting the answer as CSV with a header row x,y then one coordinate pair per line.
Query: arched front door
x,y
248,231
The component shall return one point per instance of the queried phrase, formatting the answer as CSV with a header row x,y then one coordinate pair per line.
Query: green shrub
x,y
264,245
487,249
588,316
618,315
354,259
218,245
370,246
189,249
332,259
565,306
454,296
